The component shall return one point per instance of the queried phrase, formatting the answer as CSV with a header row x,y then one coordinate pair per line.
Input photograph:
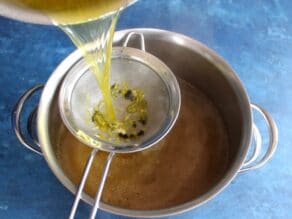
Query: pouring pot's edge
x,y
47,97
24,14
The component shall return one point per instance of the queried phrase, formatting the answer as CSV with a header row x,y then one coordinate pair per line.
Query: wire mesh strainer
x,y
79,95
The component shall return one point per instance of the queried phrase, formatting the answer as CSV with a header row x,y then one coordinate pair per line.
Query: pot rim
x,y
211,56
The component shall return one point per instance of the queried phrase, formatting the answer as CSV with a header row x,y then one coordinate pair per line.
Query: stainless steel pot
x,y
189,60
22,13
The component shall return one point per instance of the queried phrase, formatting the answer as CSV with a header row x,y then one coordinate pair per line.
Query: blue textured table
x,y
255,37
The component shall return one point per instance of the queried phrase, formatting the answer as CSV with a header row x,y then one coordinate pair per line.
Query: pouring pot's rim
x,y
25,14
56,78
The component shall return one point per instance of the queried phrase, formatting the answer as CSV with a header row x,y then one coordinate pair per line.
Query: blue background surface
x,y
254,36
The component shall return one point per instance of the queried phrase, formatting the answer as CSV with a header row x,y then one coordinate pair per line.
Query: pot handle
x,y
15,120
100,186
252,163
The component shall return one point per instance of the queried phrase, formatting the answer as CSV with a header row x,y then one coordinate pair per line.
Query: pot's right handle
x,y
15,120
253,163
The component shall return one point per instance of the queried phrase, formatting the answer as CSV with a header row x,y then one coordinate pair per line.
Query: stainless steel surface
x,y
256,145
208,70
101,185
82,183
191,61
79,95
142,40
15,120
21,13
272,144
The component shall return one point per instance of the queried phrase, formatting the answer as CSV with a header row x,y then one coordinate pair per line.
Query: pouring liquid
x,y
91,24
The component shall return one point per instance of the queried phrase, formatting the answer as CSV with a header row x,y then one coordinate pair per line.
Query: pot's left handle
x,y
15,120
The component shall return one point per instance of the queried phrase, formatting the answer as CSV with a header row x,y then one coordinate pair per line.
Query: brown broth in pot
x,y
183,166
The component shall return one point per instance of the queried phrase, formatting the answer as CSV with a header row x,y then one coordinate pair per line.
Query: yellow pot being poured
x,y
64,12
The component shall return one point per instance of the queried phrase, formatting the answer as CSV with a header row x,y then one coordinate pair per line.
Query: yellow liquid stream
x,y
94,39
91,24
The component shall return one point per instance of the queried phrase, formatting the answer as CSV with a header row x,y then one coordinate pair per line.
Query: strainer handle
x,y
142,40
252,163
83,181
15,120
101,185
